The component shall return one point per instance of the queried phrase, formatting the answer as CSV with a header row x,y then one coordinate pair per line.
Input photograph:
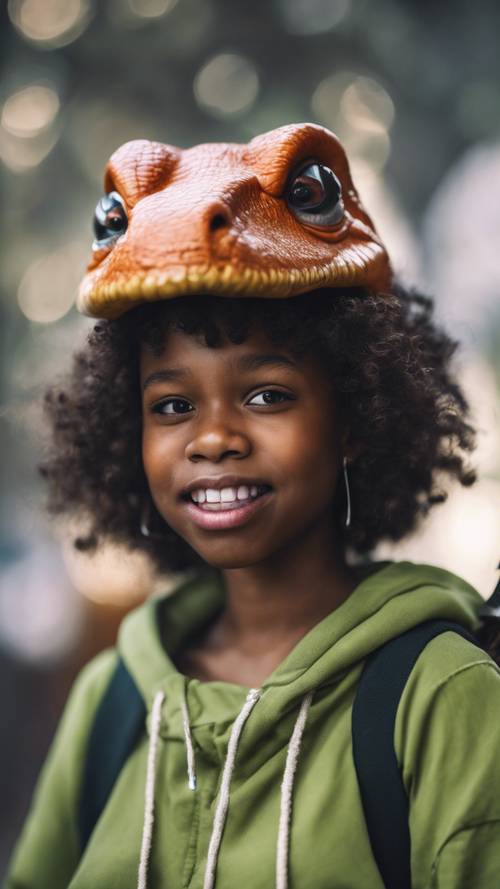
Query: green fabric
x,y
447,739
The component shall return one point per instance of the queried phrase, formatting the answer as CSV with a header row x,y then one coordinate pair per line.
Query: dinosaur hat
x,y
274,218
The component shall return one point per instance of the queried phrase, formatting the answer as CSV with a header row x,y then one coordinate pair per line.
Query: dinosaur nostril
x,y
218,220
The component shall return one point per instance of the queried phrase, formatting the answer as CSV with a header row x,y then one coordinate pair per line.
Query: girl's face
x,y
234,417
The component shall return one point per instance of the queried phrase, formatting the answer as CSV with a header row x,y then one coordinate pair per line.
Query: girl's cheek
x,y
152,458
161,460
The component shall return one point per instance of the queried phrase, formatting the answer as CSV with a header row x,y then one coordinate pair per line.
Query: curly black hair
x,y
390,363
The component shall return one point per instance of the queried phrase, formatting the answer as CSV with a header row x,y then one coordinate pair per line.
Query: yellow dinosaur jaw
x,y
110,299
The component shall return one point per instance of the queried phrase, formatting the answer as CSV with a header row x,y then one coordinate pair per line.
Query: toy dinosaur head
x,y
274,218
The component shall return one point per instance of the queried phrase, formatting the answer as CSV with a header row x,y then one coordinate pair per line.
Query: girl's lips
x,y
219,520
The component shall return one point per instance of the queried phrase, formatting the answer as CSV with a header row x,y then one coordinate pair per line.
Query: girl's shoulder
x,y
84,698
446,738
451,696
446,657
53,814
94,675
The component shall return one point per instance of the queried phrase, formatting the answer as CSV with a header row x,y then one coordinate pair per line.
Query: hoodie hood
x,y
390,597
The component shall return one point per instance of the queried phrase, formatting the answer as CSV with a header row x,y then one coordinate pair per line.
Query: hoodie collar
x,y
390,598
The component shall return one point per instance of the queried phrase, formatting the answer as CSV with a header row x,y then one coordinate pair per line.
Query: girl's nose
x,y
214,442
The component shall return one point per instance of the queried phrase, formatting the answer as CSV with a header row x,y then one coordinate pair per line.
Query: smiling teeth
x,y
224,495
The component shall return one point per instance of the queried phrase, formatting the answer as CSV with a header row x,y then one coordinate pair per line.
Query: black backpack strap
x,y
383,795
119,720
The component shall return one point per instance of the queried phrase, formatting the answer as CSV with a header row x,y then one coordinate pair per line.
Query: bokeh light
x,y
360,111
309,17
50,23
135,14
20,154
44,623
227,84
367,105
151,9
111,576
461,224
30,110
48,287
28,130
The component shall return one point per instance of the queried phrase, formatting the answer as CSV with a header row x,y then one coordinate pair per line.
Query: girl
x,y
263,447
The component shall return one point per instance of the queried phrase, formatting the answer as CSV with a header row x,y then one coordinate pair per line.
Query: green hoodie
x,y
447,740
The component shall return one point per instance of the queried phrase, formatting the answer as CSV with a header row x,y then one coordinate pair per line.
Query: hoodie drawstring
x,y
189,742
223,799
286,794
147,829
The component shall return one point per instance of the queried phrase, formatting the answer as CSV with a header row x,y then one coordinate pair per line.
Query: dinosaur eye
x,y
314,195
110,218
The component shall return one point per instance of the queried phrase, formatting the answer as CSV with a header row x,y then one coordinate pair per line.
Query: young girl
x,y
262,446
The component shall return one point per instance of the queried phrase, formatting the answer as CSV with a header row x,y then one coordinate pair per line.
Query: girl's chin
x,y
231,554
228,555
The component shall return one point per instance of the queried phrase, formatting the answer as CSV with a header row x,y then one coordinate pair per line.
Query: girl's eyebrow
x,y
245,362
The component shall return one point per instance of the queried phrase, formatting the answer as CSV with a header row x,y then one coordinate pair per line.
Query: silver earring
x,y
144,523
348,494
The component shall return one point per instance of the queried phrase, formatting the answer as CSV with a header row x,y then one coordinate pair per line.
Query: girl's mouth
x,y
222,515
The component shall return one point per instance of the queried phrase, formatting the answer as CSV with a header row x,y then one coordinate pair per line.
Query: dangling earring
x,y
145,520
348,494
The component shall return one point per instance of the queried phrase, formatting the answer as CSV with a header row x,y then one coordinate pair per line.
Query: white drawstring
x,y
282,853
189,741
147,829
223,801
286,794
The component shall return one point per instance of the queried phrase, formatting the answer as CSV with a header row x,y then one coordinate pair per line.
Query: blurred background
x,y
413,92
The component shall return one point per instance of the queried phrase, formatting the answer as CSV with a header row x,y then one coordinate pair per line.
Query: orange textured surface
x,y
256,247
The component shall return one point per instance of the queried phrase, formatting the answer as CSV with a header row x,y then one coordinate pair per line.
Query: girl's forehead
x,y
178,344
190,355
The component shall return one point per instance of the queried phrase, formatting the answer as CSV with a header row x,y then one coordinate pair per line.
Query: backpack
x,y
121,716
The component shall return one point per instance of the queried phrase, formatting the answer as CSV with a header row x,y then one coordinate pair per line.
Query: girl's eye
x,y
174,403
280,396
173,406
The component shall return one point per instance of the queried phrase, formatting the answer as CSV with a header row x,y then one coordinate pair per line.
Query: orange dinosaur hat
x,y
274,218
